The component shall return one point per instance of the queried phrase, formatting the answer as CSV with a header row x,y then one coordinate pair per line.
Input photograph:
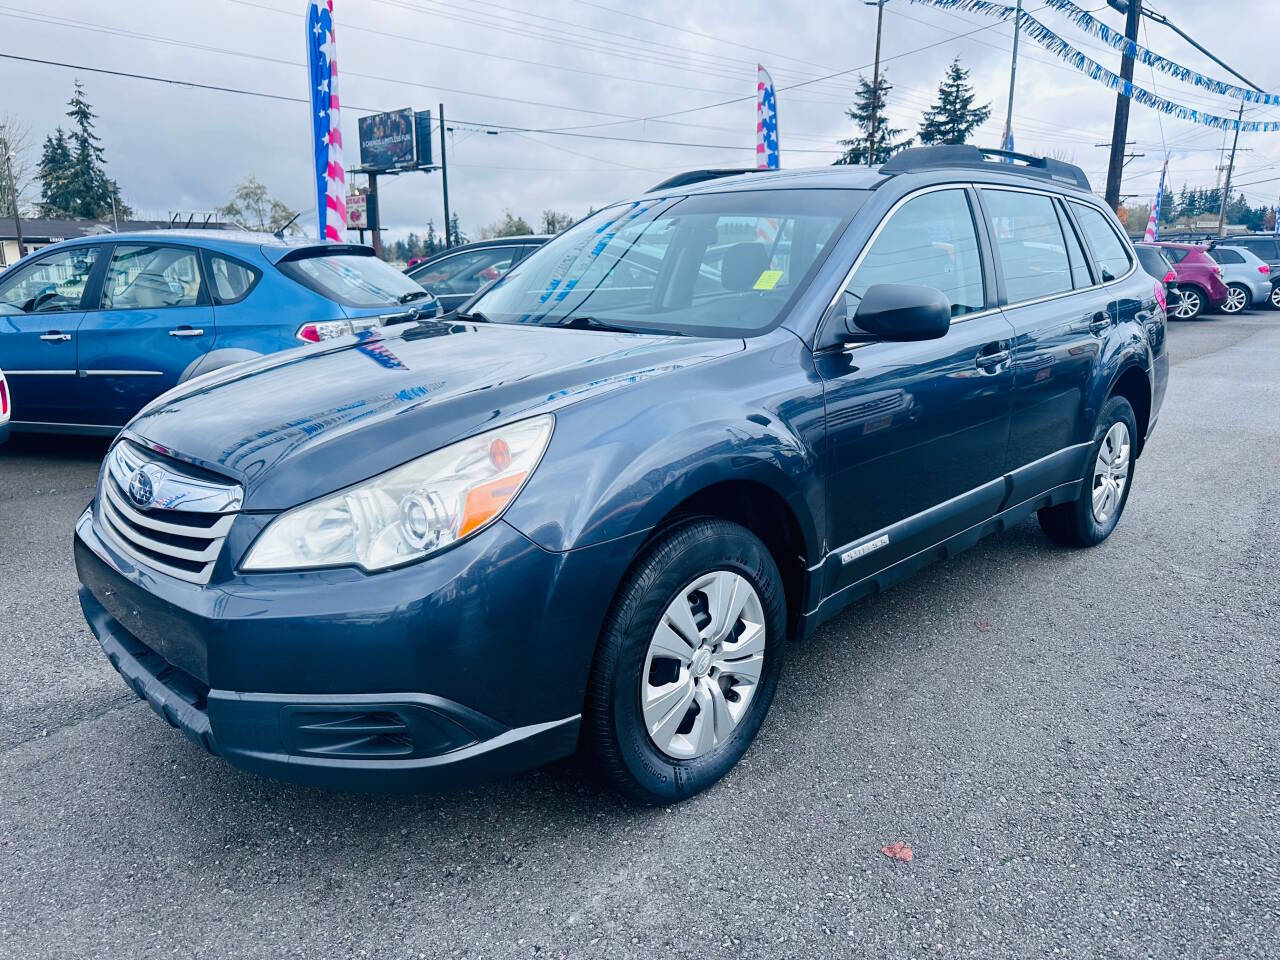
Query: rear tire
x,y
1105,486
1238,299
665,717
1187,304
1274,300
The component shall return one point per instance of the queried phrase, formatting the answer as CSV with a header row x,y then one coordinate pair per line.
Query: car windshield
x,y
354,280
717,264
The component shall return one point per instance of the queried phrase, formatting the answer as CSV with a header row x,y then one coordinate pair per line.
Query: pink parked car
x,y
1198,283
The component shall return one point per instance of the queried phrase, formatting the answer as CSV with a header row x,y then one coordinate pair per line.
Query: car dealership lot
x,y
1078,746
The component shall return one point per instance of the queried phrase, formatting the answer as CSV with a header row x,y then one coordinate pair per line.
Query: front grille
x,y
180,526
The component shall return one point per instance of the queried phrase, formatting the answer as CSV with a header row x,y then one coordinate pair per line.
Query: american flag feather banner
x,y
331,181
1153,223
766,121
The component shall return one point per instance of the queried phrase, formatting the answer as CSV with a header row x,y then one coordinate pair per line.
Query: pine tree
x,y
89,192
954,116
869,105
54,174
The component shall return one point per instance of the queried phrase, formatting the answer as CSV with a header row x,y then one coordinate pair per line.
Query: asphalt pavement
x,y
1080,748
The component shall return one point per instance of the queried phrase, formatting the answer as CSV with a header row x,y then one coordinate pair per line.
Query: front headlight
x,y
411,511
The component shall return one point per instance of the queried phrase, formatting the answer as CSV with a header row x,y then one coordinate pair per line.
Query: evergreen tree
x,y
89,191
54,174
1184,199
869,110
455,229
954,116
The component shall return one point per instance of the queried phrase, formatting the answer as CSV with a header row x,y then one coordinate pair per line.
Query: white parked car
x,y
1248,279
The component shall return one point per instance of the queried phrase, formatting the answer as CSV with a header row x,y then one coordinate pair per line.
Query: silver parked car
x,y
1248,279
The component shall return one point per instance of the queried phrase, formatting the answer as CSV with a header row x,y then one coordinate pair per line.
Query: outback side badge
x,y
862,549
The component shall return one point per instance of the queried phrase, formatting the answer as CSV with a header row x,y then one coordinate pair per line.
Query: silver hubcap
x,y
703,665
1275,296
1188,305
1236,299
1111,473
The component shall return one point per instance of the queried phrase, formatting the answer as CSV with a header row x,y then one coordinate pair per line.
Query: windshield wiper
x,y
412,295
591,323
476,317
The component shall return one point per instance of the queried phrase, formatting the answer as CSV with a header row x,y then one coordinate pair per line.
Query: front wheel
x,y
1238,299
1187,304
1104,490
687,663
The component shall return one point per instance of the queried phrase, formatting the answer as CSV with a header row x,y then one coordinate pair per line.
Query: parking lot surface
x,y
1079,747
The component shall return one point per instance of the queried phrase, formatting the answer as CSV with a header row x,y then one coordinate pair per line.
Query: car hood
x,y
296,425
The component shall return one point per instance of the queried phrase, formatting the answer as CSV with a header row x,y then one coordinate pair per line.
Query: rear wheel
x,y
1187,303
1108,476
1238,298
688,662
1275,296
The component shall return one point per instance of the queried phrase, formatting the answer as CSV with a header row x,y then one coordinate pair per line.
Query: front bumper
x,y
467,666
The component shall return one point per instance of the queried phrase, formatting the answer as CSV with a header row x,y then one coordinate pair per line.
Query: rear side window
x,y
930,241
1029,243
1177,254
1223,255
1109,251
1263,247
151,276
231,280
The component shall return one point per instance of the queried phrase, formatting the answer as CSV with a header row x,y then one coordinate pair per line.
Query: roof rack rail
x,y
967,155
699,176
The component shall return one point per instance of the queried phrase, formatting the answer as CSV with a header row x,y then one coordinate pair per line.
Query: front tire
x,y
1108,478
687,663
1188,303
1238,299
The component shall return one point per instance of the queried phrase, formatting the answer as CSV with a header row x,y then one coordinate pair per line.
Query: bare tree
x,y
252,208
17,174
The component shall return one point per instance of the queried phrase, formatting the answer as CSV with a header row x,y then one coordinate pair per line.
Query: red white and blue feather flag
x,y
766,121
326,122
1153,222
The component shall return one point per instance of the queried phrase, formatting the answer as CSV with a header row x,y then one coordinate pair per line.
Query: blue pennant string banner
x,y
1060,48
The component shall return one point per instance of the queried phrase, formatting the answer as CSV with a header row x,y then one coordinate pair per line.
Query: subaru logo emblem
x,y
141,490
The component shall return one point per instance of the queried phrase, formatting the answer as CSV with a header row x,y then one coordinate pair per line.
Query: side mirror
x,y
900,311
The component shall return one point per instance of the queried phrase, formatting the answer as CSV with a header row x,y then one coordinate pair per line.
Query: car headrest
x,y
742,265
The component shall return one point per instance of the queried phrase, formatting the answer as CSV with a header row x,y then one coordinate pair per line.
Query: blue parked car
x,y
93,329
595,506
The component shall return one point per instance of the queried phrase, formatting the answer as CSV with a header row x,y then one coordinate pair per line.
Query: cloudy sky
x,y
586,68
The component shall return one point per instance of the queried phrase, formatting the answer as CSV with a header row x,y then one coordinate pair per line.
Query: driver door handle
x,y
187,332
55,336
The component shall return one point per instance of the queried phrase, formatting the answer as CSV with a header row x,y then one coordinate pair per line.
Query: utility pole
x,y
1226,190
13,196
444,182
1120,129
1007,142
875,85
373,214
1128,63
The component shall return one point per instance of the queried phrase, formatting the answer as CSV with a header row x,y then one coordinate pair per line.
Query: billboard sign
x,y
357,211
422,135
386,140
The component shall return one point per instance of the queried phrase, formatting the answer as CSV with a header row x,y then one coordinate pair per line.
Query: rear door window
x,y
151,276
1029,243
1110,253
